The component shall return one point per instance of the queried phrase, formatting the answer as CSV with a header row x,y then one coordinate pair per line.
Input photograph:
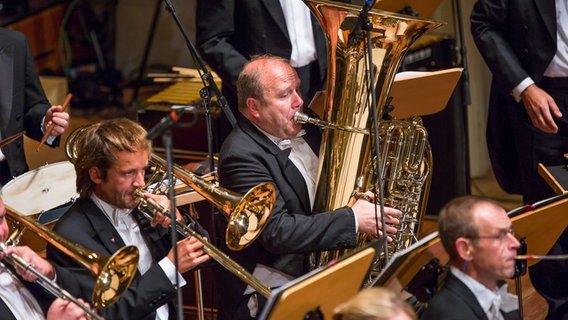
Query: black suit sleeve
x,y
35,101
511,50
215,25
143,296
290,228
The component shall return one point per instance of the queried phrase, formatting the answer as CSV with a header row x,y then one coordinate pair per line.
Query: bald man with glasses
x,y
477,234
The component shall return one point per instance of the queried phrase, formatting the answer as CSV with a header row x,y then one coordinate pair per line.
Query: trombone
x,y
149,206
247,215
45,283
114,274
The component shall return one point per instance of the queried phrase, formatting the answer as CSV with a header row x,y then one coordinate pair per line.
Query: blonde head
x,y
375,304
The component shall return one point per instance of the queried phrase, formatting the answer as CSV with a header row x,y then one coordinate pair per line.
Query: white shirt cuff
x,y
170,271
520,88
356,223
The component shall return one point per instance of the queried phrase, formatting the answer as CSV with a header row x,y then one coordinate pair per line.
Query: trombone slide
x,y
45,283
149,206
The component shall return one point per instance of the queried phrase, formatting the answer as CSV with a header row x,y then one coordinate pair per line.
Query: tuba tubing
x,y
45,283
114,274
347,160
301,118
149,206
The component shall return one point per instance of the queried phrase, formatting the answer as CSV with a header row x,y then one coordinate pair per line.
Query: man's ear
x,y
464,248
96,175
253,107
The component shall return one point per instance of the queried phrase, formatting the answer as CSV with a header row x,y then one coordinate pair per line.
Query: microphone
x,y
363,20
168,121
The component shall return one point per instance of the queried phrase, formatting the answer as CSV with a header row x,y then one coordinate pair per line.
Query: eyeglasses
x,y
501,236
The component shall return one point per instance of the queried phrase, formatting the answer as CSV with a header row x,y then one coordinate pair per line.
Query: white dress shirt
x,y
558,67
128,229
17,297
490,301
299,25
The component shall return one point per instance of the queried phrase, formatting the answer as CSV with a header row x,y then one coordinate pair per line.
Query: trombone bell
x,y
114,274
247,215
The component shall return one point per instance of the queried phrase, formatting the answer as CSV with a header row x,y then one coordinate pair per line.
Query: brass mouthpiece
x,y
302,118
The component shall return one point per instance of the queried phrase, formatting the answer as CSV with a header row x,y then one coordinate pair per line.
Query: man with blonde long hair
x,y
111,161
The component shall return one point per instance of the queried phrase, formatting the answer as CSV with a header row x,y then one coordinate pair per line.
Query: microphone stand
x,y
167,141
466,97
206,76
205,93
463,53
367,26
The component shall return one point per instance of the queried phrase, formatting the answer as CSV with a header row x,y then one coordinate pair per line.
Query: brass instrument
x,y
347,158
224,260
45,283
300,117
406,162
114,274
247,214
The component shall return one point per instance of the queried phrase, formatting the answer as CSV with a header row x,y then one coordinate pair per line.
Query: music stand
x,y
555,176
541,224
316,294
405,264
422,93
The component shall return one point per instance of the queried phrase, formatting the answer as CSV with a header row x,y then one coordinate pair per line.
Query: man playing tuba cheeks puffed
x,y
267,145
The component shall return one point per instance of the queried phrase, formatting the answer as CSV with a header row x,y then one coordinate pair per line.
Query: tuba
x,y
347,162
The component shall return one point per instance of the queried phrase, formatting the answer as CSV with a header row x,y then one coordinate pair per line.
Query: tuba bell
x,y
347,164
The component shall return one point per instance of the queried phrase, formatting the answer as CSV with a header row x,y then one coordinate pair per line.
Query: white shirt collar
x,y
507,302
482,293
111,212
281,143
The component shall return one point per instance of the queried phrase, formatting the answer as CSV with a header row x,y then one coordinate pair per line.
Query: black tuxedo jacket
x,y
248,28
23,103
516,41
85,224
248,158
456,301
